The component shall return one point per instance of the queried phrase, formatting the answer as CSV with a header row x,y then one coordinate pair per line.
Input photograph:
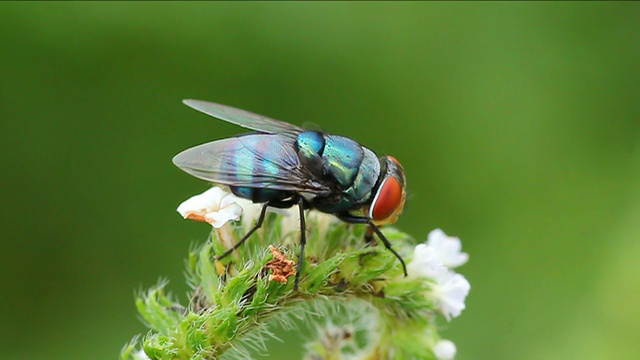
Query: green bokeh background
x,y
518,125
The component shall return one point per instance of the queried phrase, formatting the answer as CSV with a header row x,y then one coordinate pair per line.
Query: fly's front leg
x,y
368,237
373,227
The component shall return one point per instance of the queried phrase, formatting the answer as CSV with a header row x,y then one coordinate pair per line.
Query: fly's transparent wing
x,y
243,118
253,160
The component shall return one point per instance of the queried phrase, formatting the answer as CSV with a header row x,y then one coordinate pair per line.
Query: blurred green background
x,y
518,125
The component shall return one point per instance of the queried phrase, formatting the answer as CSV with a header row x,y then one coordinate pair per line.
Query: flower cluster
x,y
435,261
340,276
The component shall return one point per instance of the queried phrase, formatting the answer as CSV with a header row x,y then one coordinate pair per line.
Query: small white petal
x,y
250,212
290,223
425,263
450,293
447,248
140,355
222,216
228,199
444,350
202,202
214,206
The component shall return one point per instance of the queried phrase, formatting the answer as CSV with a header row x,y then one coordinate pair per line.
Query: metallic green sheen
x,y
342,158
310,143
359,191
368,174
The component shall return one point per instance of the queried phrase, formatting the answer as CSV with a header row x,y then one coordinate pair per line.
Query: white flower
x,y
449,293
140,355
444,350
425,263
433,260
214,206
250,212
447,248
290,223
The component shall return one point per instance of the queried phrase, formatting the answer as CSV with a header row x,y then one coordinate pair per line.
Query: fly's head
x,y
390,194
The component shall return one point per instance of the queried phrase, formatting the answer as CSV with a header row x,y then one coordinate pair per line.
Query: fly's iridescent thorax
x,y
351,169
390,194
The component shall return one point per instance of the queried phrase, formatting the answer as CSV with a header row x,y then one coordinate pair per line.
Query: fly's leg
x,y
247,235
368,237
387,245
371,226
303,242
303,236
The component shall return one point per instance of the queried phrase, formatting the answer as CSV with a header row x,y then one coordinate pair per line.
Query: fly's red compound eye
x,y
389,197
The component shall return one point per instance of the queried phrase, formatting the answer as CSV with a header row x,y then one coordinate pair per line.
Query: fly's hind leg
x,y
284,204
303,242
257,226
281,204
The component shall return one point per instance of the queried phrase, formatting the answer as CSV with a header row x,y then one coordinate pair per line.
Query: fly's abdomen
x,y
254,163
259,195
